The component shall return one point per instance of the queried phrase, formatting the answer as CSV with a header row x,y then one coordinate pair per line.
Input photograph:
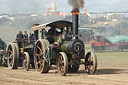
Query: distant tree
x,y
122,28
84,19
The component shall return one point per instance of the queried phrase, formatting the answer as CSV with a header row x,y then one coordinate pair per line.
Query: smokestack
x,y
75,18
76,5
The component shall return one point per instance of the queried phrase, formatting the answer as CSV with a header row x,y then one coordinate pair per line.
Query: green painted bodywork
x,y
47,54
64,46
57,38
2,48
55,53
2,45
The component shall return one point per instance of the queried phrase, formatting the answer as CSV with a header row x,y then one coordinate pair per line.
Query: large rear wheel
x,y
90,63
41,65
62,64
11,56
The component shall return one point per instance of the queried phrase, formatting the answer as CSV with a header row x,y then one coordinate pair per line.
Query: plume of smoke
x,y
76,3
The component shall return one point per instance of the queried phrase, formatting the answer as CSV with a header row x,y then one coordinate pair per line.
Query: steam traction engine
x,y
57,43
54,43
20,54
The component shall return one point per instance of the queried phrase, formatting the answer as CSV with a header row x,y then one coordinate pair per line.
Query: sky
x,y
39,6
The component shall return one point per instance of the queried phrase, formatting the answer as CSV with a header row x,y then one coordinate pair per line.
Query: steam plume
x,y
76,3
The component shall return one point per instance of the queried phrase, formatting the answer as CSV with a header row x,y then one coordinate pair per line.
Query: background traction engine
x,y
20,55
3,58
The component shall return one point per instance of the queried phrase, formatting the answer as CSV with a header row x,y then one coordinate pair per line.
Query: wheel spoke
x,y
62,70
62,61
11,62
39,63
10,51
11,56
37,55
90,63
91,67
25,61
39,49
61,64
61,58
91,58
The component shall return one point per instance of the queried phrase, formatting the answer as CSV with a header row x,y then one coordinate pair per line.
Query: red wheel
x,y
41,65
100,49
62,64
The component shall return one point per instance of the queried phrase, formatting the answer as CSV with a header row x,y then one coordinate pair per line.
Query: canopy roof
x,y
58,24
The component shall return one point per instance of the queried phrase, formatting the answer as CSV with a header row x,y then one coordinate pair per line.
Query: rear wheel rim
x,y
99,49
10,56
26,61
61,64
90,63
39,58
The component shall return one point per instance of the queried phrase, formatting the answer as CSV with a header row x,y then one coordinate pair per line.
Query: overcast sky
x,y
39,6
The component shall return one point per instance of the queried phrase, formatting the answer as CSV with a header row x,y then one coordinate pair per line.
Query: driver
x,y
51,35
19,38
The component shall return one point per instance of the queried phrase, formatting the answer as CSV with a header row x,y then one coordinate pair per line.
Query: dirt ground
x,y
112,70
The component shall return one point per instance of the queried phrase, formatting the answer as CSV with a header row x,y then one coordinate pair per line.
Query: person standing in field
x,y
19,36
25,35
25,38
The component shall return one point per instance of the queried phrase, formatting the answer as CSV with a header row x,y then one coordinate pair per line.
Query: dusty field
x,y
112,70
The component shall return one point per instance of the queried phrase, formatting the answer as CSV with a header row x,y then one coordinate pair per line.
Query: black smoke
x,y
76,3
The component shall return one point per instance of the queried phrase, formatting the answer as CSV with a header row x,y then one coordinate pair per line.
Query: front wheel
x,y
90,63
100,49
62,64
26,61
